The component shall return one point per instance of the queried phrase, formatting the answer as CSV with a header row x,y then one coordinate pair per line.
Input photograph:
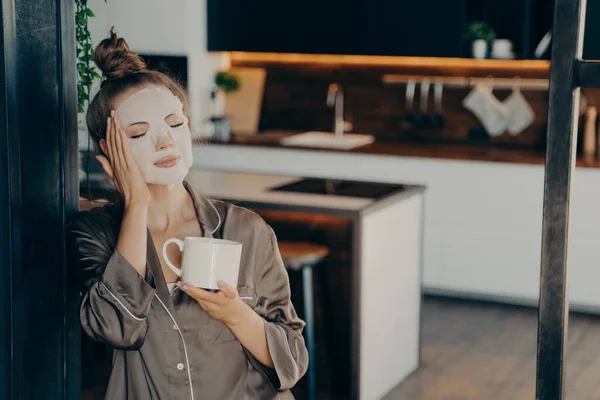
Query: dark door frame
x,y
39,324
7,163
568,74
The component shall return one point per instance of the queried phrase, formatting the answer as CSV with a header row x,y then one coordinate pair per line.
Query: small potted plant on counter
x,y
225,82
481,34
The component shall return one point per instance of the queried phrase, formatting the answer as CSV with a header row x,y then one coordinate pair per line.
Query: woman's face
x,y
158,132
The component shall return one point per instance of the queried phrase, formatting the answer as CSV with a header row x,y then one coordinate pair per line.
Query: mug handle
x,y
164,253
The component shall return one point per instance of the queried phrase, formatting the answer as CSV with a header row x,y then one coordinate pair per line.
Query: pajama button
x,y
180,366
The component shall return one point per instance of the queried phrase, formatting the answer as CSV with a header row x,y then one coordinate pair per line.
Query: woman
x,y
170,340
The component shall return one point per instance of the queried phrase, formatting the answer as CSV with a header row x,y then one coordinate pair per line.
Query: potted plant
x,y
225,82
481,34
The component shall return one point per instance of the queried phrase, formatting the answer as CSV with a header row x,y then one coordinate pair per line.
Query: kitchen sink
x,y
328,140
335,187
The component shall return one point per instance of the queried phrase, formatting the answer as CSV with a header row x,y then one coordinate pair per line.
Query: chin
x,y
167,176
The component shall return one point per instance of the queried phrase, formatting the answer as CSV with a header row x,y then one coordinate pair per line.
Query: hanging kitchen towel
x,y
521,114
488,109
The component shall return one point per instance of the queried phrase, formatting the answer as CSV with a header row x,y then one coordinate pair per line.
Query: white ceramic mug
x,y
502,48
205,261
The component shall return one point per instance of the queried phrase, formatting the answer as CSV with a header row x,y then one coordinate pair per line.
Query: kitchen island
x,y
385,264
483,215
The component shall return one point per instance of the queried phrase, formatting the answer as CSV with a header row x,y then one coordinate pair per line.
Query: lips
x,y
167,162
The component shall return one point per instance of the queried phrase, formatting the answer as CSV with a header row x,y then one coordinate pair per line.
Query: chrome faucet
x,y
335,97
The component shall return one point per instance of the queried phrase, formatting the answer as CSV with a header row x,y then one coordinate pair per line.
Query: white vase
x,y
220,103
479,48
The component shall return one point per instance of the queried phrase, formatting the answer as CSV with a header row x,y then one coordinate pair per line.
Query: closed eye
x,y
137,130
174,120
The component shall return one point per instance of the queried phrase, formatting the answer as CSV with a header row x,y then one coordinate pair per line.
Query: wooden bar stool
x,y
303,256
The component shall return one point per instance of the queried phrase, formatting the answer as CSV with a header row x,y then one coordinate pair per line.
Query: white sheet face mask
x,y
152,106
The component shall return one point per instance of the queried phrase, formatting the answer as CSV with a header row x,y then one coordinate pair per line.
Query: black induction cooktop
x,y
334,187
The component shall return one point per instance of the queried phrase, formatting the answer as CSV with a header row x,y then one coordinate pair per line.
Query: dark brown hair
x,y
122,70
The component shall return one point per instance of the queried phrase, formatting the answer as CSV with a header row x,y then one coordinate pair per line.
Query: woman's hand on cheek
x,y
121,166
225,305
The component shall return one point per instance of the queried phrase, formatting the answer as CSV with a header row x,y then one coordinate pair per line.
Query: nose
x,y
163,142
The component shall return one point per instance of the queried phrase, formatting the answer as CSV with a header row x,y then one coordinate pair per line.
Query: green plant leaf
x,y
84,50
227,81
480,30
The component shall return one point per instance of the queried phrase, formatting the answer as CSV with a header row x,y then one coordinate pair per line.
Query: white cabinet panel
x,y
390,296
584,272
495,265
585,206
433,257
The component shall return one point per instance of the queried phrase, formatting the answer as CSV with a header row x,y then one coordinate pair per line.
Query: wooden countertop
x,y
422,150
257,190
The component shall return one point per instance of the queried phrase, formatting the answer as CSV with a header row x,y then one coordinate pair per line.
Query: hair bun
x,y
115,59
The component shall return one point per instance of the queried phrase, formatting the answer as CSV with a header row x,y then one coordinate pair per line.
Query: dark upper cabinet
x,y
591,37
372,27
433,28
544,16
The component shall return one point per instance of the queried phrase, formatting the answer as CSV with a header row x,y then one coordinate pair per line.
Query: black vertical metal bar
x,y
7,197
527,29
309,315
69,182
560,162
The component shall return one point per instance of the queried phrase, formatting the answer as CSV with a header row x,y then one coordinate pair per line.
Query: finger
x,y
207,307
127,152
202,295
227,290
105,165
121,141
119,146
109,140
114,136
117,121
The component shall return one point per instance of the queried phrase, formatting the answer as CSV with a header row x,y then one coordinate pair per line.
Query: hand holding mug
x,y
224,305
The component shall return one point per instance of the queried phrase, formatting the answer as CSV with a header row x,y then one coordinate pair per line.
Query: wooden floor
x,y
478,351
474,351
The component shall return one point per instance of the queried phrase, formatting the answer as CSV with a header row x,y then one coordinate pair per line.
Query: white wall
x,y
160,27
149,26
